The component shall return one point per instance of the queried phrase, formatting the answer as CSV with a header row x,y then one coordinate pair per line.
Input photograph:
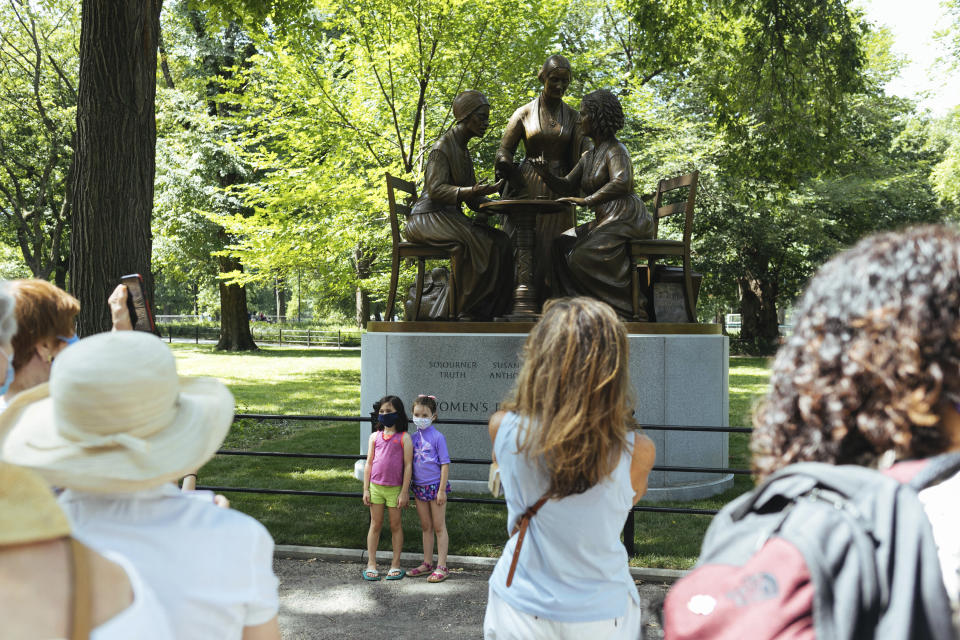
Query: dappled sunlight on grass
x,y
322,474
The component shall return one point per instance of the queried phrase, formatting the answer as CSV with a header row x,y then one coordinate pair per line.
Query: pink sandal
x,y
422,570
439,575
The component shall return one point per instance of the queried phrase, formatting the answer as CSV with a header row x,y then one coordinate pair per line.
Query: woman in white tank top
x,y
569,455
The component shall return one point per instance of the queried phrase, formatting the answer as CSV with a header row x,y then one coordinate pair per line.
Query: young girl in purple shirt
x,y
431,469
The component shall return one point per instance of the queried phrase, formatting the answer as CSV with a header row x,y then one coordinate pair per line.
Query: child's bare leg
x,y
438,513
396,532
426,524
373,535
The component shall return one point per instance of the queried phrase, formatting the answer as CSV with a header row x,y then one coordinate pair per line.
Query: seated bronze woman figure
x,y
483,275
592,259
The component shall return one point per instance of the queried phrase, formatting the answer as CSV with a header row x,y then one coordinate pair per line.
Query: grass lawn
x,y
300,381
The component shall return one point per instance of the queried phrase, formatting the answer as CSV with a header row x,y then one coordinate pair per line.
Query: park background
x,y
249,178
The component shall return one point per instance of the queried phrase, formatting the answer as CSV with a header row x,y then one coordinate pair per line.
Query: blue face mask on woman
x,y
388,419
71,340
9,379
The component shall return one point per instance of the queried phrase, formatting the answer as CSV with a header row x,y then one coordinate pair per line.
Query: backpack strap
x,y
521,526
920,474
82,605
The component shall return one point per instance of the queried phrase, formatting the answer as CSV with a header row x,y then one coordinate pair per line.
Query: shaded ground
x,y
327,599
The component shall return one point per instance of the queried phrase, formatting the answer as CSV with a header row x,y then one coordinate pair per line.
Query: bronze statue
x,y
549,132
592,259
483,277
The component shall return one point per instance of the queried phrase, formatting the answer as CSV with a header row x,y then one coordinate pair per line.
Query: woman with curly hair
x,y
592,259
871,374
571,465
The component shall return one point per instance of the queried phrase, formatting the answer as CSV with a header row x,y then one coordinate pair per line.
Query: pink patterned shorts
x,y
427,492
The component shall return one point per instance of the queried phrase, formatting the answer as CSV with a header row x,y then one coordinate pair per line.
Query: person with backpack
x,y
852,531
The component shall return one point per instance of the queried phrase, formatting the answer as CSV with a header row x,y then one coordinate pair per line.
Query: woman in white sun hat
x,y
51,585
116,427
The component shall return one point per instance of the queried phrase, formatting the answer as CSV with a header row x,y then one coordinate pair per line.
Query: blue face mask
x,y
9,379
71,340
388,419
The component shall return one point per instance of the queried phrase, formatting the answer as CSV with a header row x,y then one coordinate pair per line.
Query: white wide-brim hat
x,y
116,417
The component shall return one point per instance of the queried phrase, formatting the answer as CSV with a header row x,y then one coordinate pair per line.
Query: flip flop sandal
x,y
439,575
371,574
396,574
424,569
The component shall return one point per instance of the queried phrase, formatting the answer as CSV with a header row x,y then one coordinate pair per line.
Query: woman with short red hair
x,y
45,325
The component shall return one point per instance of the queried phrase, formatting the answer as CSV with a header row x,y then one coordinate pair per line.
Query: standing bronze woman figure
x,y
592,259
484,271
548,129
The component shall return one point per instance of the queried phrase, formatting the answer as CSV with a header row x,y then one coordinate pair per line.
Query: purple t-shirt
x,y
429,452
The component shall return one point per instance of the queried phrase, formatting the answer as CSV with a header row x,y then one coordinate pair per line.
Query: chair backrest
x,y
661,210
395,184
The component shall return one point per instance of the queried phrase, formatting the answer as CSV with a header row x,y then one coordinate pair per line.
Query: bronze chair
x,y
408,250
655,248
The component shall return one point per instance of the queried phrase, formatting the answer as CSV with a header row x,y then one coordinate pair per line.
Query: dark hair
x,y
426,401
556,61
606,114
874,356
402,422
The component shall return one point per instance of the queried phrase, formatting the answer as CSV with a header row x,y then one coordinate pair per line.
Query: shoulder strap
x,y
80,617
521,526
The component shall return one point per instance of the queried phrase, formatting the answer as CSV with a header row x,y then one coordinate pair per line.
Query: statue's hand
x,y
572,200
483,188
538,165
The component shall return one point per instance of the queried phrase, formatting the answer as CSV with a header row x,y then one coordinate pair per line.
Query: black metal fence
x,y
629,526
265,334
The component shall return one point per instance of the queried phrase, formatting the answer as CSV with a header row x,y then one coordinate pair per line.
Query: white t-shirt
x,y
145,619
211,568
940,505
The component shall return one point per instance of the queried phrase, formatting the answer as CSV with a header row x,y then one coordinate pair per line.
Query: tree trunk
x,y
280,289
758,312
115,154
362,264
234,318
363,307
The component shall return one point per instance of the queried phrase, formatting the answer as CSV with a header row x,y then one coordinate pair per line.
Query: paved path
x,y
322,598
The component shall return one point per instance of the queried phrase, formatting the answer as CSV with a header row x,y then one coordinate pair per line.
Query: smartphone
x,y
137,303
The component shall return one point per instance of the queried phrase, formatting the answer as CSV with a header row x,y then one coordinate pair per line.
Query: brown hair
x,y
874,355
43,312
572,394
426,401
605,112
556,61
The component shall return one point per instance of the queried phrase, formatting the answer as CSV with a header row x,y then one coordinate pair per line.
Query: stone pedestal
x,y
678,373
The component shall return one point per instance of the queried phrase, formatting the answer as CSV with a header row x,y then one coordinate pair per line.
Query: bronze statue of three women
x,y
566,154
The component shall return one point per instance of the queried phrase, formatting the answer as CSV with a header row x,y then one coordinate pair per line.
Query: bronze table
x,y
524,214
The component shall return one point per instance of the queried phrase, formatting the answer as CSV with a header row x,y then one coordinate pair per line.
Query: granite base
x,y
677,380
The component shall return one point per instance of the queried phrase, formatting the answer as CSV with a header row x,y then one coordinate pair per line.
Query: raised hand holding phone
x,y
119,310
141,318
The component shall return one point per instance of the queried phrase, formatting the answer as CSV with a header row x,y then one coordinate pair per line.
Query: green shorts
x,y
382,494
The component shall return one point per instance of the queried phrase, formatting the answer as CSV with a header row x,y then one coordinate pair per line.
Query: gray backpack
x,y
820,551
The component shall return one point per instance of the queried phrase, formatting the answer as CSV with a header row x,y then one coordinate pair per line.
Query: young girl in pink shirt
x,y
386,481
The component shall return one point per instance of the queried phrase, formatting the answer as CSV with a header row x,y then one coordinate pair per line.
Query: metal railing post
x,y
629,535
